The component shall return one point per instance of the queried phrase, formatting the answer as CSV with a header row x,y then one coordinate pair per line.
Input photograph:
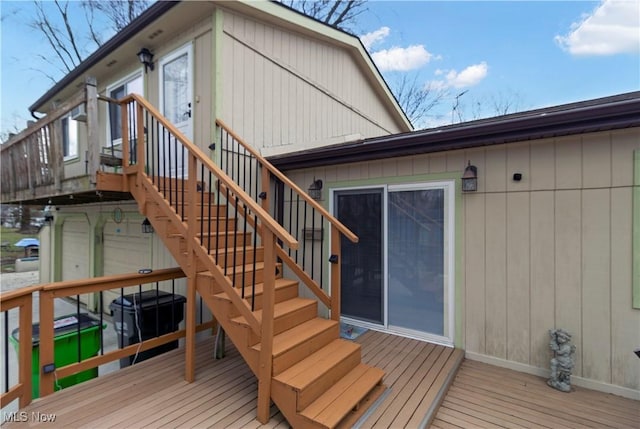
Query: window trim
x,y
138,73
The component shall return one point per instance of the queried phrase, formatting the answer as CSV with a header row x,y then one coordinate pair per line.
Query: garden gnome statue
x,y
562,361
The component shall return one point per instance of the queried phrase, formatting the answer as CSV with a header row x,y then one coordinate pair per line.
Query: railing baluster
x,y
253,280
6,351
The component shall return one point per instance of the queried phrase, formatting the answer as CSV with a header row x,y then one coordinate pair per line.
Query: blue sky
x,y
534,54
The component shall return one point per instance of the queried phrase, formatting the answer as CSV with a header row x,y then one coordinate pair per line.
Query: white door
x,y
176,98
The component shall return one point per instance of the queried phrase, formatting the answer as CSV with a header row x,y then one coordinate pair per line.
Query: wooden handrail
x,y
75,101
264,217
277,173
11,299
49,292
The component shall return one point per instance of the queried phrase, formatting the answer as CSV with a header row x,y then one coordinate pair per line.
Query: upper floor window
x,y
69,137
131,85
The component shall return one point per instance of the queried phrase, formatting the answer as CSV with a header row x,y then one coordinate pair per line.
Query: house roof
x,y
98,64
615,112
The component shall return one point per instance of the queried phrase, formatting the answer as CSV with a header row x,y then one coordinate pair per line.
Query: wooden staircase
x,y
318,378
233,254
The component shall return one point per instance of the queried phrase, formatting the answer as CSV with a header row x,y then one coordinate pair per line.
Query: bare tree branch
x,y
339,14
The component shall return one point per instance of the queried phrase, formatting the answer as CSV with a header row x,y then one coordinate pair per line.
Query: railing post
x,y
190,347
46,342
268,302
335,273
265,176
56,154
140,138
25,353
92,128
124,116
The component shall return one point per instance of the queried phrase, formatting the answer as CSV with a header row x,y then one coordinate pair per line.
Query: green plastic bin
x,y
65,347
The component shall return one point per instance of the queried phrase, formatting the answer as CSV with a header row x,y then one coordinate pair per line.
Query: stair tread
x,y
334,404
290,338
280,283
313,367
280,309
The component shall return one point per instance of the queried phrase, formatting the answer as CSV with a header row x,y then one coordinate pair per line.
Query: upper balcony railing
x,y
33,161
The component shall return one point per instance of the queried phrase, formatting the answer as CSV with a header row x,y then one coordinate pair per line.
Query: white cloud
x,y
612,28
470,76
401,59
370,39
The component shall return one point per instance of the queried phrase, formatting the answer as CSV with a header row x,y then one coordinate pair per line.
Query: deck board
x,y
483,395
153,394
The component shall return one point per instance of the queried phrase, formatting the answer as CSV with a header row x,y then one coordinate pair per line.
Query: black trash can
x,y
157,312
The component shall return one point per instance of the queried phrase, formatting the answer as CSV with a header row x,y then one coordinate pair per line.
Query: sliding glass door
x,y
400,275
361,275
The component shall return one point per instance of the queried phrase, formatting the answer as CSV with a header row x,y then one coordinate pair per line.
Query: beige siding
x,y
551,251
284,91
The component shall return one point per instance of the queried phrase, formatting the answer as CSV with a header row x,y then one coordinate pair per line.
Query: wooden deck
x,y
485,396
154,394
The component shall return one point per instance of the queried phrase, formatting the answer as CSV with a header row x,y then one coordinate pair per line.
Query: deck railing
x,y
33,160
49,374
299,214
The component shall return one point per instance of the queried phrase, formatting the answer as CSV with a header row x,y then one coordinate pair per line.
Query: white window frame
x,y
71,136
139,73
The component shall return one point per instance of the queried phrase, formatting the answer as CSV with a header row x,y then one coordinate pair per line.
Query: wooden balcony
x,y
38,167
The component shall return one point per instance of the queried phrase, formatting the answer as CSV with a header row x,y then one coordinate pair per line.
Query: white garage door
x,y
126,250
75,251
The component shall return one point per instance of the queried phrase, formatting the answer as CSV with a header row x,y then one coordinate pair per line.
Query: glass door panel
x,y
175,95
416,260
362,278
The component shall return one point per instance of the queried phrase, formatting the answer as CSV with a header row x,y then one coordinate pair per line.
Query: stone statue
x,y
562,361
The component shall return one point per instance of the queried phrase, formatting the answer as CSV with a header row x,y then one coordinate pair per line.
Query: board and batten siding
x,y
553,250
284,91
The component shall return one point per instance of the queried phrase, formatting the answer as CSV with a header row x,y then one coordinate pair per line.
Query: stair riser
x,y
314,390
296,354
289,320
227,258
223,242
205,226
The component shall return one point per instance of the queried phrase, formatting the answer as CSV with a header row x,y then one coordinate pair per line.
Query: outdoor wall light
x,y
147,228
470,178
315,189
146,57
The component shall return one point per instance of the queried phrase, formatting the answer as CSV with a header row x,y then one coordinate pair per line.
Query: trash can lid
x,y
61,326
146,299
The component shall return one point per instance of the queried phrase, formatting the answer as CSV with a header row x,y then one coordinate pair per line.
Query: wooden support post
x,y
140,138
126,149
26,334
47,381
190,346
335,273
92,128
56,154
268,302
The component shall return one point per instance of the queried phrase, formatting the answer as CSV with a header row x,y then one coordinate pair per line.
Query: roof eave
x,y
147,17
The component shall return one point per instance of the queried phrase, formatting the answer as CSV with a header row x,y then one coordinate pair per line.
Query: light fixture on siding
x,y
315,189
146,57
147,228
470,178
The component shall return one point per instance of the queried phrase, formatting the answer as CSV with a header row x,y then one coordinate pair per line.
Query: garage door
x,y
126,250
75,251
